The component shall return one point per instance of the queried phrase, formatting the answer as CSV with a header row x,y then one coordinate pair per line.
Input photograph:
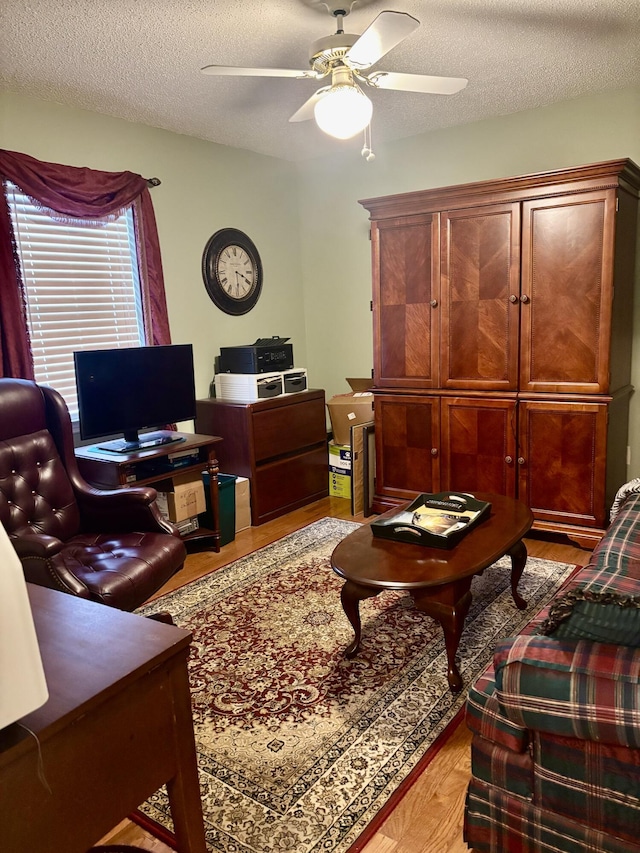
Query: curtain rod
x,y
153,182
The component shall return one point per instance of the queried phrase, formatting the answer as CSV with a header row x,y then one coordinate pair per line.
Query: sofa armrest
x,y
573,689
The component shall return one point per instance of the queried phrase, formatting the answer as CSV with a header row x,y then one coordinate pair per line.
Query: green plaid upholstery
x,y
495,765
485,718
556,717
497,822
584,690
589,781
602,603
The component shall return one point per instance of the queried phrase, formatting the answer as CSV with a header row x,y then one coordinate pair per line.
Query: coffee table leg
x,y
450,613
351,595
518,556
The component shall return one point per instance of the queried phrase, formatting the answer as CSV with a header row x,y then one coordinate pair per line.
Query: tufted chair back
x,y
36,495
111,546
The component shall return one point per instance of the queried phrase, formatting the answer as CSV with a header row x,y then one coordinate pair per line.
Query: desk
x,y
116,727
108,470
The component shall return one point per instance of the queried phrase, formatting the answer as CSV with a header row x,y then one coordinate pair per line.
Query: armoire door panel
x,y
405,304
567,254
478,445
563,460
401,357
407,445
480,288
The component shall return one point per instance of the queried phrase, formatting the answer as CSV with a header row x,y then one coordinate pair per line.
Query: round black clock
x,y
232,271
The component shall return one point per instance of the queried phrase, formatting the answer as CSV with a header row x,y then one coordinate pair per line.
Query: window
x,y
82,287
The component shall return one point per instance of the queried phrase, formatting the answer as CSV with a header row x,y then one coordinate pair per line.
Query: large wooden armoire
x,y
502,315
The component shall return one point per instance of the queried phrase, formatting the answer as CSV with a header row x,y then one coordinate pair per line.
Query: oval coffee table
x,y
438,580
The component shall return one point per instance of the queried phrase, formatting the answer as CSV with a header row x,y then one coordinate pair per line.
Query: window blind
x,y
82,288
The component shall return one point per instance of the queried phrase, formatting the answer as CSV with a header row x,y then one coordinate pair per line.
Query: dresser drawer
x,y
287,484
284,430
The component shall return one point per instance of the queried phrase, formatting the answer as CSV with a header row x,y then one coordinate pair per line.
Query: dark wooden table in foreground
x,y
116,727
438,580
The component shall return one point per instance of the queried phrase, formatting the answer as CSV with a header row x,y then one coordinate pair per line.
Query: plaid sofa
x,y
556,717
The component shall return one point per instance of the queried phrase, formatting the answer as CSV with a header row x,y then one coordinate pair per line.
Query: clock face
x,y
232,271
236,272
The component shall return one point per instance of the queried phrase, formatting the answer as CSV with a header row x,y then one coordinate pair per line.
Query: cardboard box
x,y
347,410
243,504
340,456
339,470
184,500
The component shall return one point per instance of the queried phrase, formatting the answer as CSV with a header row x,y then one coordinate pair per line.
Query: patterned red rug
x,y
300,749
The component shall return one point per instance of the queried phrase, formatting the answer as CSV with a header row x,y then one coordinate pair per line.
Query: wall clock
x,y
232,271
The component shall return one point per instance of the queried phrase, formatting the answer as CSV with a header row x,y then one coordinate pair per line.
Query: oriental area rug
x,y
300,749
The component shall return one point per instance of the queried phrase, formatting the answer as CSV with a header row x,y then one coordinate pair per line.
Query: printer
x,y
266,355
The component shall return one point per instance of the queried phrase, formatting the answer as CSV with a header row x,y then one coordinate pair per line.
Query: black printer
x,y
266,355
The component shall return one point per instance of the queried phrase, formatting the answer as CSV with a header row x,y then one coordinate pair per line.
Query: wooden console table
x,y
107,470
116,727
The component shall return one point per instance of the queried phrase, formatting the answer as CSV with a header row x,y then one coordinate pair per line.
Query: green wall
x,y
312,234
204,187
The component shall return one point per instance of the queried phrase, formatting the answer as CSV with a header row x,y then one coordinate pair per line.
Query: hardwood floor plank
x,y
428,819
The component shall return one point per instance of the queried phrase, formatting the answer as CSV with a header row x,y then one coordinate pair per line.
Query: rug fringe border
x,y
403,788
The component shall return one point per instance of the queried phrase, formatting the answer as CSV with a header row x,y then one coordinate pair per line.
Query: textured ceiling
x,y
140,61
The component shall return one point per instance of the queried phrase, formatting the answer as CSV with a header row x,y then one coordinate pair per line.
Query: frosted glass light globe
x,y
343,111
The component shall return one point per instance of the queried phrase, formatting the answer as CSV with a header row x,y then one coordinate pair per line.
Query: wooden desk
x,y
108,470
116,727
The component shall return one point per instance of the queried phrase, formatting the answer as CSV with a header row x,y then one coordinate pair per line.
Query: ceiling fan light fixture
x,y
344,110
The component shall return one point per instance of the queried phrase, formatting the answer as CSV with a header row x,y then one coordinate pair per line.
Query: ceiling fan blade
x,y
306,110
383,34
236,71
417,83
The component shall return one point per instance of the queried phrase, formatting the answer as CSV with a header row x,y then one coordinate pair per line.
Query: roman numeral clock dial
x,y
232,271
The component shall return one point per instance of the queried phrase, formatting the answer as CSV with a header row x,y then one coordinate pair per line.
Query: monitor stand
x,y
146,441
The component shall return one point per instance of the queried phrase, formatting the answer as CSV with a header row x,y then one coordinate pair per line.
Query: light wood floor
x,y
428,819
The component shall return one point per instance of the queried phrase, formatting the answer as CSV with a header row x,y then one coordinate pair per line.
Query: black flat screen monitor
x,y
129,389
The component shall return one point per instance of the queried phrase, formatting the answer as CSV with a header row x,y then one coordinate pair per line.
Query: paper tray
x,y
400,527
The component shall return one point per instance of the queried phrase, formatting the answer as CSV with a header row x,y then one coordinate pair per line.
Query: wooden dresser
x,y
280,444
502,316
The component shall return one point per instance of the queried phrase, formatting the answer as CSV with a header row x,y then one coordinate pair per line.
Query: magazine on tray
x,y
437,520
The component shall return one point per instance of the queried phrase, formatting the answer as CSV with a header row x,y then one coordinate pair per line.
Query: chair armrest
x,y
122,511
574,689
35,551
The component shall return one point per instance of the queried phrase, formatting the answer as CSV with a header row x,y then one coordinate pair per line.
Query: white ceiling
x,y
140,60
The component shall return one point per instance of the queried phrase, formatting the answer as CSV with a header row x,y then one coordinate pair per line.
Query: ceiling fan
x,y
341,108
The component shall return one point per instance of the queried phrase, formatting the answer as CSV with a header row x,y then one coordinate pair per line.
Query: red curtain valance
x,y
86,194
80,192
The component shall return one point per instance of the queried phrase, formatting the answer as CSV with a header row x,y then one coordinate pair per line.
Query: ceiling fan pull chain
x,y
367,150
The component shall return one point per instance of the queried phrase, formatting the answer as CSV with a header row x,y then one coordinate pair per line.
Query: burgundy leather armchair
x,y
111,546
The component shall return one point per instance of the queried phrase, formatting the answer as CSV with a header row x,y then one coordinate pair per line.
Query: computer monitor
x,y
133,388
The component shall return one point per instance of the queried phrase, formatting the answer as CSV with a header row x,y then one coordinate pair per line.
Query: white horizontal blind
x,y
83,289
